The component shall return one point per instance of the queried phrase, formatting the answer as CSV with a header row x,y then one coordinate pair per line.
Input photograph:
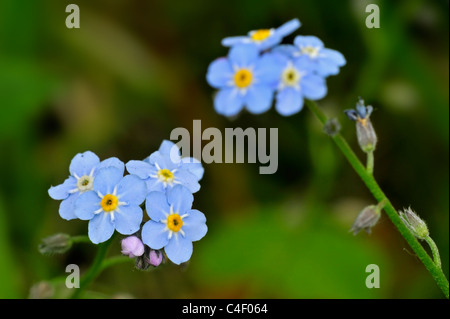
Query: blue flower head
x,y
361,113
324,61
165,168
264,39
297,80
244,78
174,225
83,170
112,204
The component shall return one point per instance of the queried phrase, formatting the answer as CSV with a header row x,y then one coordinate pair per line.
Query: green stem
x,y
80,239
115,261
370,162
376,191
434,250
95,268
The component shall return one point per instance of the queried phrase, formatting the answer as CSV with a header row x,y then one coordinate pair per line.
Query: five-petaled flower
x,y
166,168
264,38
244,78
112,204
174,225
83,170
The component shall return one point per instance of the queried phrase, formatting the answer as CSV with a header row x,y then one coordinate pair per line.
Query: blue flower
x,y
112,204
244,78
297,81
83,169
165,168
264,38
361,113
173,225
324,61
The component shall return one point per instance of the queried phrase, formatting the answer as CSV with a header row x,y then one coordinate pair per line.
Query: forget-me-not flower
x,y
264,38
297,80
112,204
174,225
165,168
324,61
244,78
83,169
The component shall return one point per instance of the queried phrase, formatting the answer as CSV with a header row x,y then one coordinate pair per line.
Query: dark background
x,y
135,70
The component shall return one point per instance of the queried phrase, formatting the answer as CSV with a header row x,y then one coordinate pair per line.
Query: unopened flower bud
x,y
366,219
141,263
416,225
41,290
367,138
55,244
155,257
132,246
332,127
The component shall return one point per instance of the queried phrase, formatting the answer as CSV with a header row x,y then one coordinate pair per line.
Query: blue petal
x,y
289,101
326,67
162,161
288,27
285,49
132,190
106,179
269,67
228,102
62,191
154,185
170,150
128,219
259,99
154,234
112,161
67,207
314,87
83,164
157,206
141,169
243,55
193,165
100,228
179,249
194,226
186,178
334,56
180,198
86,204
307,40
219,73
232,41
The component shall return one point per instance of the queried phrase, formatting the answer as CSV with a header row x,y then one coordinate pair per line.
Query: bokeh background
x,y
135,70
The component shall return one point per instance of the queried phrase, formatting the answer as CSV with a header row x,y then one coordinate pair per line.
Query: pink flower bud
x,y
132,246
155,258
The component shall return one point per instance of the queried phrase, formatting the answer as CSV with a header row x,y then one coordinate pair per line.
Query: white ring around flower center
x,y
313,52
290,76
85,183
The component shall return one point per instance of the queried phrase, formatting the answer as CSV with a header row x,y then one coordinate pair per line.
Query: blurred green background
x,y
135,70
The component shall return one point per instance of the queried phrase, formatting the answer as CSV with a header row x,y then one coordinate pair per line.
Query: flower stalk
x,y
379,195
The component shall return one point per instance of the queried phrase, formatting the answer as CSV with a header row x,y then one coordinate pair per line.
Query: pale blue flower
x,y
297,81
83,169
323,60
112,204
244,78
174,225
264,39
165,168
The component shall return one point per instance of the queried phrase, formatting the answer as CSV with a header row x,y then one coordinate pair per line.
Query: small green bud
x,y
416,225
55,244
332,127
366,219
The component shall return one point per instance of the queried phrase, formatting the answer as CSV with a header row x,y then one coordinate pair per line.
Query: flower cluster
x,y
163,183
258,67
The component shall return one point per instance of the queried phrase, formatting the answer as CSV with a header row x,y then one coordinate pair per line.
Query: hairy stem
x,y
370,162
376,191
435,251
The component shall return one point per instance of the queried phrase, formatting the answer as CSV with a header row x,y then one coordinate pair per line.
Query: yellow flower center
x,y
290,76
311,51
260,35
242,78
165,175
109,202
174,222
